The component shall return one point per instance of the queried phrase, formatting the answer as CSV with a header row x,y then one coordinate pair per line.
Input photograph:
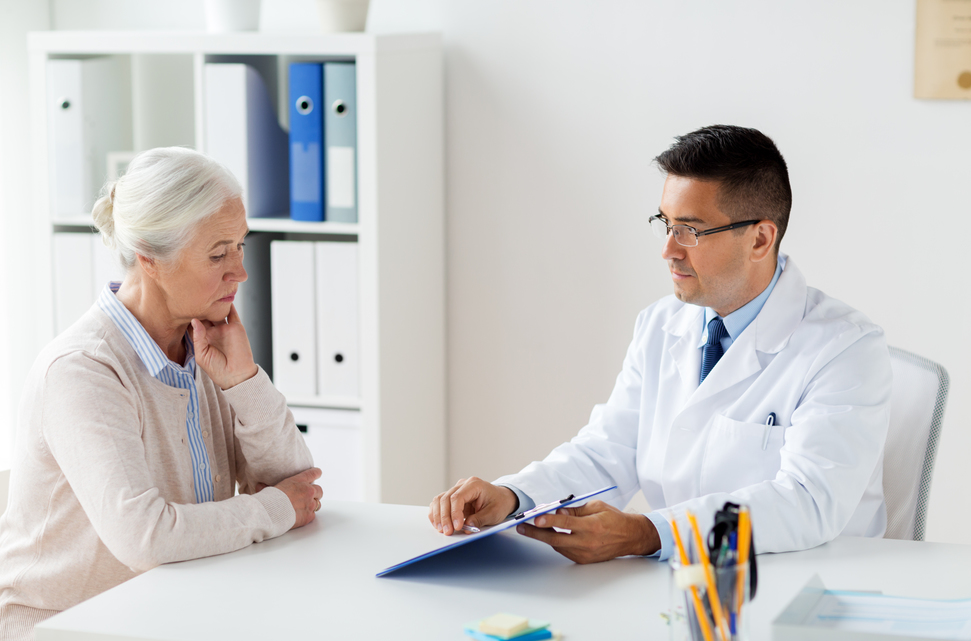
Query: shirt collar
x,y
737,321
144,345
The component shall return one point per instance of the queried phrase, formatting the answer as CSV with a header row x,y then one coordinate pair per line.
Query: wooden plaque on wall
x,y
942,55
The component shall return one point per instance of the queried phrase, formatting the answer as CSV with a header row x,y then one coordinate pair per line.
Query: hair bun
x,y
104,216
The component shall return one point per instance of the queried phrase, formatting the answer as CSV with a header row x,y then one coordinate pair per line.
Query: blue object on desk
x,y
536,635
456,541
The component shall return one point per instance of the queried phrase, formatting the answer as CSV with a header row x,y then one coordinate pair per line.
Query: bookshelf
x,y
400,228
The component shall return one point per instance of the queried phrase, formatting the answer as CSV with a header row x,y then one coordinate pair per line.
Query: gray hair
x,y
155,207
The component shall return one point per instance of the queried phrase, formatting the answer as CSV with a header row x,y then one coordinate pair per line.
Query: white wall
x,y
554,112
19,17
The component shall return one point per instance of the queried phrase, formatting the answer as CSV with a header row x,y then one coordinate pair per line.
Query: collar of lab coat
x,y
768,333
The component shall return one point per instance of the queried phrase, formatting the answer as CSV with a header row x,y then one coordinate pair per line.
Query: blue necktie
x,y
713,348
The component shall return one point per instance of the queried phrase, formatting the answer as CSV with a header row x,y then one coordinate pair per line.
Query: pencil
x,y
699,608
716,607
744,543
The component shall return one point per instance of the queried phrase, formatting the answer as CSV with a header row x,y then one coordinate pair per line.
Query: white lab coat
x,y
820,366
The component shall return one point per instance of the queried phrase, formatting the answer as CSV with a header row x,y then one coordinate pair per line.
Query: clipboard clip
x,y
539,508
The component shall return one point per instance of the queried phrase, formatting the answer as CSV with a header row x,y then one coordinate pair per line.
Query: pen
x,y
769,422
470,529
539,508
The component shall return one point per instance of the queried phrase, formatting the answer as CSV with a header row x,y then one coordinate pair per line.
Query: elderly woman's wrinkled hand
x,y
223,350
303,493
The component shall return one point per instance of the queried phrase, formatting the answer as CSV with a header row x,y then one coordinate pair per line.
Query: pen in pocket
x,y
769,422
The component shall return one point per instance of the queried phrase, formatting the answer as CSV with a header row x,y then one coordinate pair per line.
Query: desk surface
x,y
318,582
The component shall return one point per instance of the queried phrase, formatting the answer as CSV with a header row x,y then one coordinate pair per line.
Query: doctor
x,y
745,386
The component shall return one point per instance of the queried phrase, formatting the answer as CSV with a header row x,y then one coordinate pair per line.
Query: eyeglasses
x,y
687,236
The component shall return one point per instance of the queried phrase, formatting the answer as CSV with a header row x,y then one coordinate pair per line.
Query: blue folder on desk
x,y
464,539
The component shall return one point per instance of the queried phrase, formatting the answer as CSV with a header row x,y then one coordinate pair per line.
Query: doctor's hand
x,y
471,501
598,532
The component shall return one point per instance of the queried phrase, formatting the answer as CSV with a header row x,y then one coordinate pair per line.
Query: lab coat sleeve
x,y
832,451
603,453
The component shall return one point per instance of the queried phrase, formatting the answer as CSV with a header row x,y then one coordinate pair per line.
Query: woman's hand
x,y
223,351
304,495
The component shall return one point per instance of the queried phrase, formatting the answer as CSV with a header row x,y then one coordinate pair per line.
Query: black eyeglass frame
x,y
744,223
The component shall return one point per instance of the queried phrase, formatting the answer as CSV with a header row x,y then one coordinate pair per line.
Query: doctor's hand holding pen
x,y
471,503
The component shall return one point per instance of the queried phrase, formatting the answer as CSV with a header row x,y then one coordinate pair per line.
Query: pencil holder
x,y
699,614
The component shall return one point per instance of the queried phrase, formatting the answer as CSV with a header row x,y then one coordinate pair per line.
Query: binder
x,y
334,439
337,319
243,133
306,141
340,135
253,302
294,321
73,282
88,115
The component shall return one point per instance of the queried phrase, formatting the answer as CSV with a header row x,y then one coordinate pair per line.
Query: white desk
x,y
318,582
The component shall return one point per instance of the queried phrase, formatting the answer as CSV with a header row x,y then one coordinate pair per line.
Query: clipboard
x,y
510,522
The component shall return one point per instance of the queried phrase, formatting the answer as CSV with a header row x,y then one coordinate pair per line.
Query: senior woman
x,y
138,422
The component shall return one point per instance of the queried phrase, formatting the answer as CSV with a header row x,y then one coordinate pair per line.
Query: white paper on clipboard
x,y
511,522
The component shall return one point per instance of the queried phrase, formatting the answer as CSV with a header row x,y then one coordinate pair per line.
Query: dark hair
x,y
753,175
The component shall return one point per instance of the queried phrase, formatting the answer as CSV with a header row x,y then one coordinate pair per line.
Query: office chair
x,y
917,405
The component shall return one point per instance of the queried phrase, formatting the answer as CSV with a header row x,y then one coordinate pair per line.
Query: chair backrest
x,y
4,486
917,404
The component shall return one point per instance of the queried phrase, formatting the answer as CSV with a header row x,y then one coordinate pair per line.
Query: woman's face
x,y
202,281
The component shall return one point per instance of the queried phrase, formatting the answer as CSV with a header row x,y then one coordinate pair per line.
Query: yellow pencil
x,y
744,543
699,608
716,607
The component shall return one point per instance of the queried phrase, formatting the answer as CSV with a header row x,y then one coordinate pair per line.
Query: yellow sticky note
x,y
503,625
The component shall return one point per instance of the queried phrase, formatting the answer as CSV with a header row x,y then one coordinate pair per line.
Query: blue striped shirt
x,y
170,373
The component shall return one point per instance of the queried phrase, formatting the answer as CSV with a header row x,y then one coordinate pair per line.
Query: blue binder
x,y
306,141
340,135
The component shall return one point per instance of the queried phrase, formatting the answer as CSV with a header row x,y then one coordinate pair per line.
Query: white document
x,y
243,133
837,615
294,317
337,319
88,116
334,439
73,278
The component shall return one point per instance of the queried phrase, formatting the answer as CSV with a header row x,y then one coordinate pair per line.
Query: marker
x,y
769,422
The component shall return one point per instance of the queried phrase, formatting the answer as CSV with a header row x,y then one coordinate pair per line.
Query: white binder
x,y
72,278
88,115
337,319
334,439
294,317
243,133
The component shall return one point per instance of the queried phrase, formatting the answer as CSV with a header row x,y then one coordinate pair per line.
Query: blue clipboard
x,y
511,522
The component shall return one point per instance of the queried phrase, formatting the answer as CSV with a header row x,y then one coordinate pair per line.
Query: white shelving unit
x,y
400,228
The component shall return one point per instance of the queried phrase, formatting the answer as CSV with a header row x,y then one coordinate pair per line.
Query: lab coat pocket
x,y
740,454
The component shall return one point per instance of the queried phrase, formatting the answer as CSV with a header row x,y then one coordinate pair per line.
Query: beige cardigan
x,y
102,487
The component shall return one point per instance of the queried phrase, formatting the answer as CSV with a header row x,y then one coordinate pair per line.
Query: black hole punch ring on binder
x,y
339,358
339,107
65,103
304,105
294,356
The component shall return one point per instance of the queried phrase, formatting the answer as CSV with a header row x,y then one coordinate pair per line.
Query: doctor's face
x,y
716,272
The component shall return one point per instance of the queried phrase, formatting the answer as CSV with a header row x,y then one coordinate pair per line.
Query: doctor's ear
x,y
765,235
